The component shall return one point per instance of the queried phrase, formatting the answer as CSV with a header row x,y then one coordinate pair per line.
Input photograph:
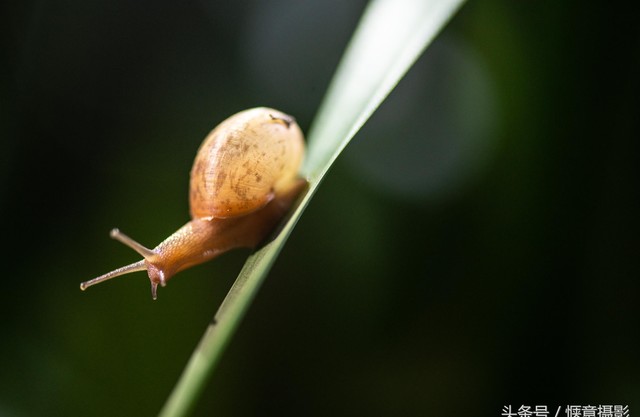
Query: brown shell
x,y
244,162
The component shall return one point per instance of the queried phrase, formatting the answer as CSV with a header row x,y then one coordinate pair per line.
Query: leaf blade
x,y
363,79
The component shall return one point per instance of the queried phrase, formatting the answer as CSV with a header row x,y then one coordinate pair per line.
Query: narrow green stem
x,y
389,38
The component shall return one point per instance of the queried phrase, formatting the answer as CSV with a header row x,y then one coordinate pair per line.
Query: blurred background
x,y
476,245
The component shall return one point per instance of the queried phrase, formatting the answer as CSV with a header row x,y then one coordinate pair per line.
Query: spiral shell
x,y
244,162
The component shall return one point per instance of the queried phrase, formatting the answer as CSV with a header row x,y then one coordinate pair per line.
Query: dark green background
x,y
414,287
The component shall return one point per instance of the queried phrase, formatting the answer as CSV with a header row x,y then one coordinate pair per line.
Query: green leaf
x,y
389,38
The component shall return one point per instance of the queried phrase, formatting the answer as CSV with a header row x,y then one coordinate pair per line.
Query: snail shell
x,y
244,162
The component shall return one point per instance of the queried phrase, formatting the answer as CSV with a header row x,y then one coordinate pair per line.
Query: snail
x,y
243,181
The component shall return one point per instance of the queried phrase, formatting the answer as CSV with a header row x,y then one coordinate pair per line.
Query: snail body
x,y
243,181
